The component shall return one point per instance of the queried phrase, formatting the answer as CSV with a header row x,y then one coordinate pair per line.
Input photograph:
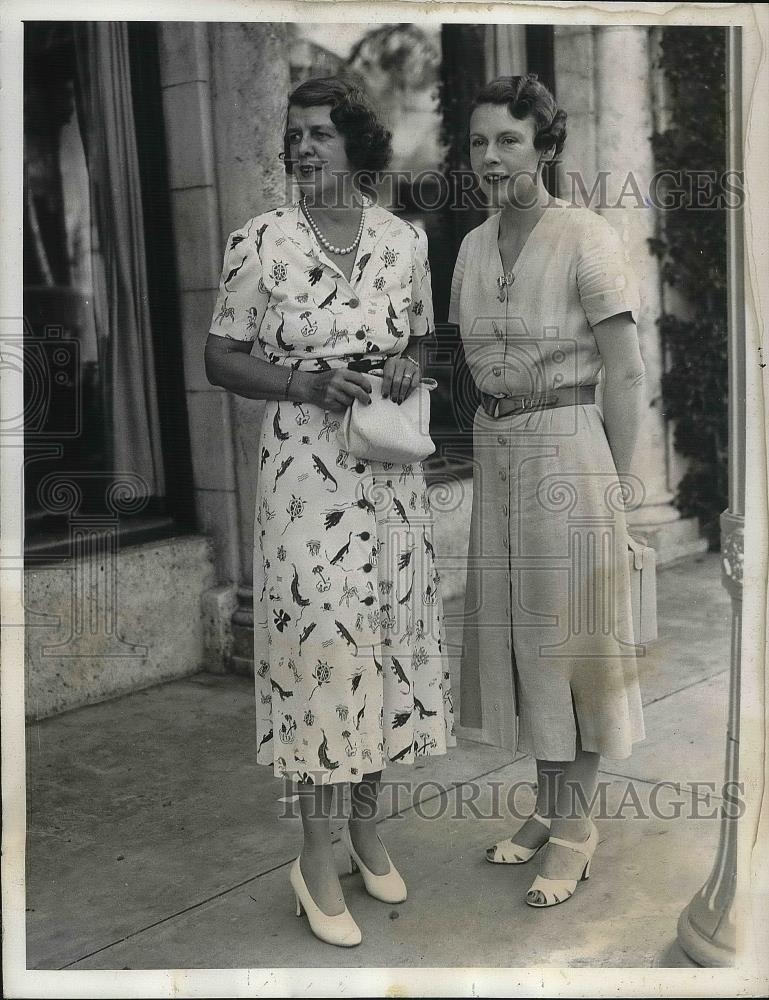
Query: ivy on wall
x,y
692,249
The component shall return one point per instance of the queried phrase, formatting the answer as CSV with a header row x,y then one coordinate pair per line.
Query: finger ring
x,y
408,375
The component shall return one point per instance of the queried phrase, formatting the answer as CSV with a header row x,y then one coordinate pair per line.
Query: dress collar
x,y
295,227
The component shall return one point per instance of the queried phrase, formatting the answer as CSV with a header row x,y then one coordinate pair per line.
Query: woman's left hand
x,y
400,376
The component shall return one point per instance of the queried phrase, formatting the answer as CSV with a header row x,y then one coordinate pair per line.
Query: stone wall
x,y
103,624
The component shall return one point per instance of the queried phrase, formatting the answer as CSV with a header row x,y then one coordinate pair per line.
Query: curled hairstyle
x,y
526,97
367,142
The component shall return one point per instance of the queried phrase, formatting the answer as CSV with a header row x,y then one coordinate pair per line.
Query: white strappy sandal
x,y
507,852
551,891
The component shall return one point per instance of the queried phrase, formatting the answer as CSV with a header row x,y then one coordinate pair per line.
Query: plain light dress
x,y
548,634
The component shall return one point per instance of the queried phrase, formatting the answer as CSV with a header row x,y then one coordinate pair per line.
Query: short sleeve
x,y
456,284
242,299
604,278
421,317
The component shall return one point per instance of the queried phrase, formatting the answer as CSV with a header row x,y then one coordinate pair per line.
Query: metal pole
x,y
707,927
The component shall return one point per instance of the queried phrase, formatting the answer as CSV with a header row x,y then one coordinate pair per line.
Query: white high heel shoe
x,y
551,891
507,852
389,888
340,929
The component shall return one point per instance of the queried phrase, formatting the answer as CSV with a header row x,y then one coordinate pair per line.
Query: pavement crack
x,y
685,687
174,915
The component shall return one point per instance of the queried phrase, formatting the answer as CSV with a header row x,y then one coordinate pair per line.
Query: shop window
x,y
105,422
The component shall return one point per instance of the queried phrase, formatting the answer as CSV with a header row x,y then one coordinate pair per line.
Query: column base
x,y
712,952
242,660
672,539
673,957
218,606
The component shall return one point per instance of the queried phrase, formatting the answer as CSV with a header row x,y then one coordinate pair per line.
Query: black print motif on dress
x,y
315,273
225,312
341,553
234,272
400,672
306,632
323,758
323,472
329,298
391,317
407,596
401,718
278,431
423,712
278,336
281,471
401,511
329,621
283,692
346,636
301,602
360,265
403,753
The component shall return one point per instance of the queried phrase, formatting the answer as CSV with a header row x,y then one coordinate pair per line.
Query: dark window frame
x,y
47,537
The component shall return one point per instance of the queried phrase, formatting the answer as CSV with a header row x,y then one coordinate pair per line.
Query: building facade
x,y
140,522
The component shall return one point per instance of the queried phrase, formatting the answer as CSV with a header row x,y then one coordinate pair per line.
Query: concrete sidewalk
x,y
154,841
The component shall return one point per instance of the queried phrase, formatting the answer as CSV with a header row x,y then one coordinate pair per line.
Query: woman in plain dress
x,y
350,671
545,304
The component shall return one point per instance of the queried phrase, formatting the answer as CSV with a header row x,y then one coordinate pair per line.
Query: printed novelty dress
x,y
350,666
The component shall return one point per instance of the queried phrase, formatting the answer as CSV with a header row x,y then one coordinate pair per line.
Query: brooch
x,y
504,281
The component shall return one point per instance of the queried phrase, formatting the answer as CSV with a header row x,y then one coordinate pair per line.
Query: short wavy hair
x,y
526,97
367,142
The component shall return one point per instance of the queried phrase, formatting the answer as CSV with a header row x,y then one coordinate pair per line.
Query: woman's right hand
x,y
336,389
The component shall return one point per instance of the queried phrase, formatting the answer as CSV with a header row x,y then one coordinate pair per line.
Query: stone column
x,y
224,94
623,127
574,59
604,78
185,67
249,87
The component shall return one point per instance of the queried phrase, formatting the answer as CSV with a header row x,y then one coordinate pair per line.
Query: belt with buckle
x,y
505,406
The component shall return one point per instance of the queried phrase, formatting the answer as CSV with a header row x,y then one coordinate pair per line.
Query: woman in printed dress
x,y
349,661
546,305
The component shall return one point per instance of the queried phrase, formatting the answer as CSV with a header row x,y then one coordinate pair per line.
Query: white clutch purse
x,y
643,590
386,432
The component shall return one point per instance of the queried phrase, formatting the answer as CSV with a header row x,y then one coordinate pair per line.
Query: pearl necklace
x,y
322,239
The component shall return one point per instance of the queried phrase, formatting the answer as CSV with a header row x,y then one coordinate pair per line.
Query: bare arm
x,y
229,364
624,390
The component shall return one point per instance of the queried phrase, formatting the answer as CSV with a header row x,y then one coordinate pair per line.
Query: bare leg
x,y
363,823
317,857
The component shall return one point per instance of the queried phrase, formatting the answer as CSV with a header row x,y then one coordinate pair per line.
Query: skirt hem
x,y
329,777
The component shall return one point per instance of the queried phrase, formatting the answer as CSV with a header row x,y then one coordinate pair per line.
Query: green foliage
x,y
691,246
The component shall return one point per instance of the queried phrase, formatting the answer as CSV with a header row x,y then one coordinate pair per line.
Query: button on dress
x,y
350,666
548,632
